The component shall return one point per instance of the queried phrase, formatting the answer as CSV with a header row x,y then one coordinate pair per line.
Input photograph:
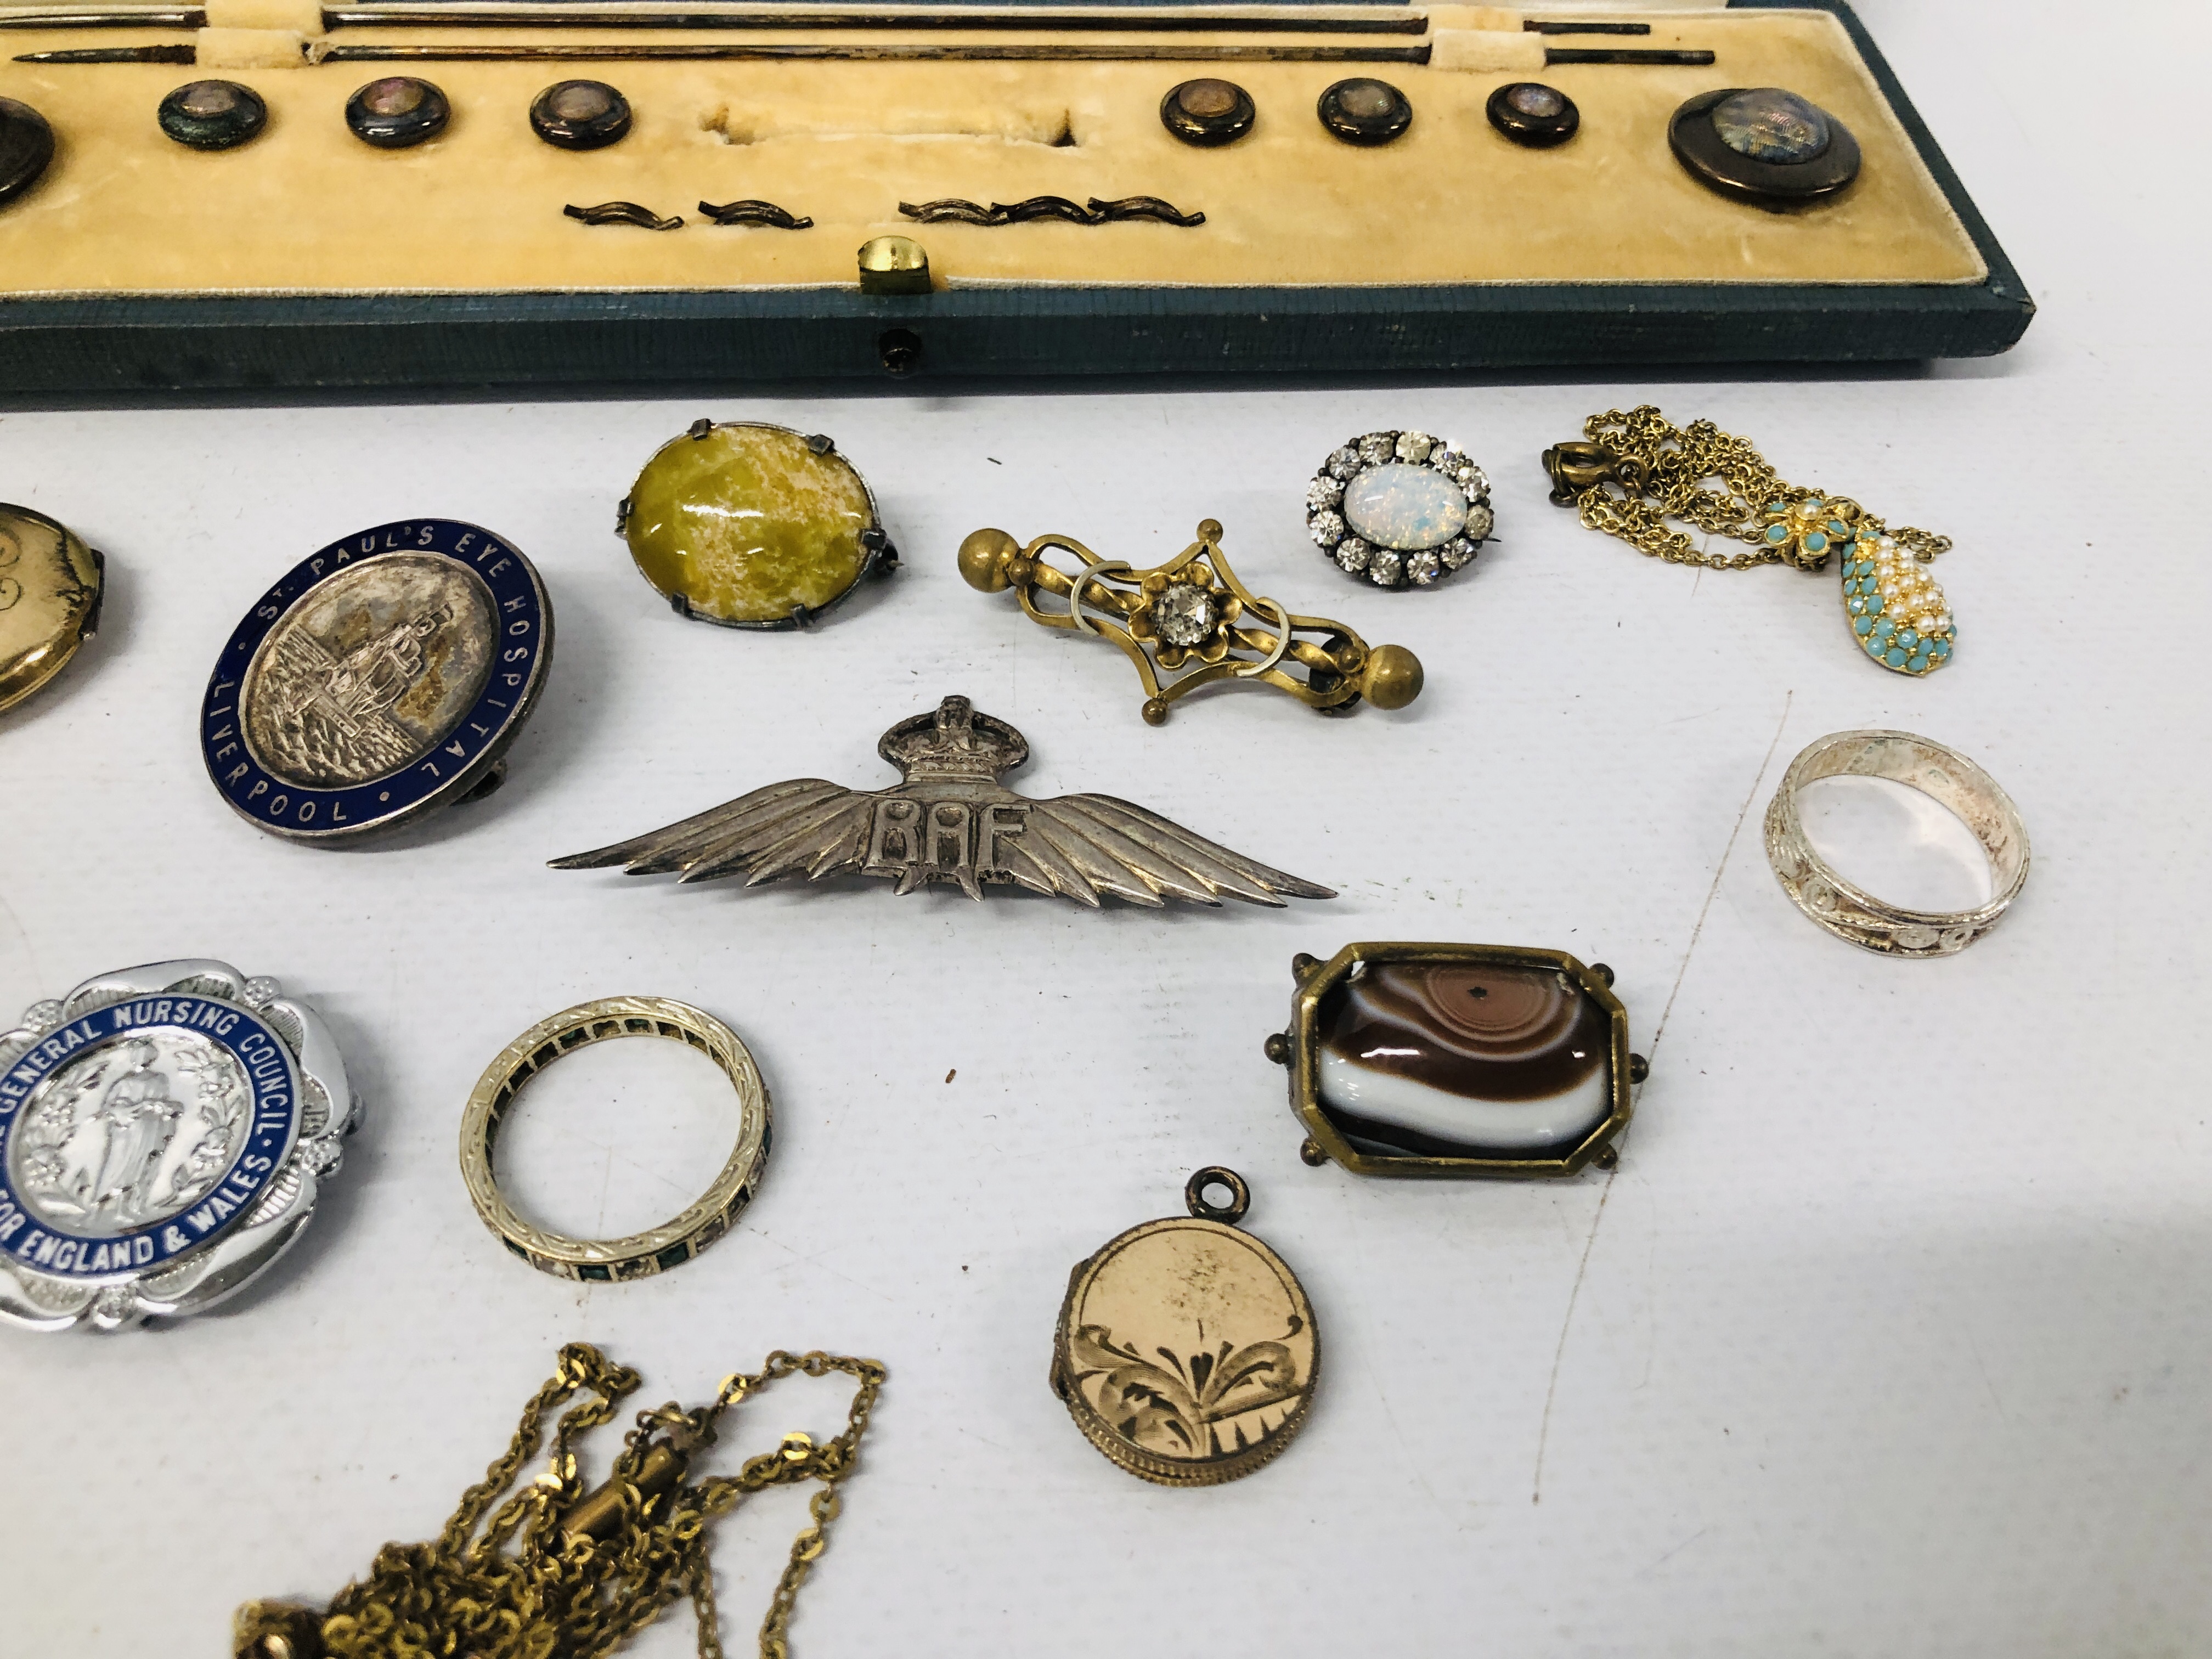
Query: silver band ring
x,y
1946,777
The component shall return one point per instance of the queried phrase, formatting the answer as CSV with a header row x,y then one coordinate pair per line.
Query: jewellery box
x,y
308,253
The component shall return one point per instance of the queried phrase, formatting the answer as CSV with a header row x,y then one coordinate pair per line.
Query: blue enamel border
x,y
519,601
269,1073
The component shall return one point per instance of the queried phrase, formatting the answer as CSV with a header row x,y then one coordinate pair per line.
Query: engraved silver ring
x,y
1946,777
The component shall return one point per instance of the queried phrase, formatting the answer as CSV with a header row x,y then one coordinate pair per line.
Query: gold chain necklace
x,y
561,1574
1636,470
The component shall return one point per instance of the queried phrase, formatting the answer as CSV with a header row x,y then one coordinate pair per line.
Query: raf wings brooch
x,y
952,820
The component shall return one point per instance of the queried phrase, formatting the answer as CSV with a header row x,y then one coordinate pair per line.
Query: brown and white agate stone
x,y
1456,1060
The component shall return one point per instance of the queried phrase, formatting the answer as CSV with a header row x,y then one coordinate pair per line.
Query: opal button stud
x,y
1457,1059
1208,111
212,114
1764,144
396,111
1399,508
1363,111
26,144
1534,115
580,115
50,585
752,525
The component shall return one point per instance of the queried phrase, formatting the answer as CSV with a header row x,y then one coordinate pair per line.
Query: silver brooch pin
x,y
163,1133
952,820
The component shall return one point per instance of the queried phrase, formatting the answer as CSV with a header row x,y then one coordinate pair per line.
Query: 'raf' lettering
x,y
932,840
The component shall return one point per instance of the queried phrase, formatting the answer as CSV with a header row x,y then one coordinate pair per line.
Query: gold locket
x,y
1186,1350
50,593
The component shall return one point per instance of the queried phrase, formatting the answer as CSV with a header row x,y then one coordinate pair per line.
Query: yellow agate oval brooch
x,y
747,525
1457,1059
1186,1350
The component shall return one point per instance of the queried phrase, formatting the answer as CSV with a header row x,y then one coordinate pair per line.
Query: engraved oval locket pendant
x,y
1185,1350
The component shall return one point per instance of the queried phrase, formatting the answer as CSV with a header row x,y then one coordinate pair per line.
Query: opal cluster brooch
x,y
1401,508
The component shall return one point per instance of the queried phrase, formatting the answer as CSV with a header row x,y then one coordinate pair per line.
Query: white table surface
x,y
1888,1337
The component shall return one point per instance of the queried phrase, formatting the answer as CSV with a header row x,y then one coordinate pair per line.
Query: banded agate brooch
x,y
1457,1061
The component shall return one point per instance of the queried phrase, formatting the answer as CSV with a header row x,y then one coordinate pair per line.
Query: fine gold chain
x,y
1659,471
560,1574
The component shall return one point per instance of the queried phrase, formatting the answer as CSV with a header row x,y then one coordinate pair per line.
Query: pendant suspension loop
x,y
1195,1198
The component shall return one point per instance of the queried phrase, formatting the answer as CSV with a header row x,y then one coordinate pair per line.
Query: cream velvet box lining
x,y
308,208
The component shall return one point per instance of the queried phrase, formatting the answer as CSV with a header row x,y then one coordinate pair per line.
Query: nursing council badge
x,y
164,1131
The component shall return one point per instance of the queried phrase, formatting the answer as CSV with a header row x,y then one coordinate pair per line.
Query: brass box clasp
x,y
597,1514
1576,465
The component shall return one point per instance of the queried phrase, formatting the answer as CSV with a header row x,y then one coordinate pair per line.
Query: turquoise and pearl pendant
x,y
1896,609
